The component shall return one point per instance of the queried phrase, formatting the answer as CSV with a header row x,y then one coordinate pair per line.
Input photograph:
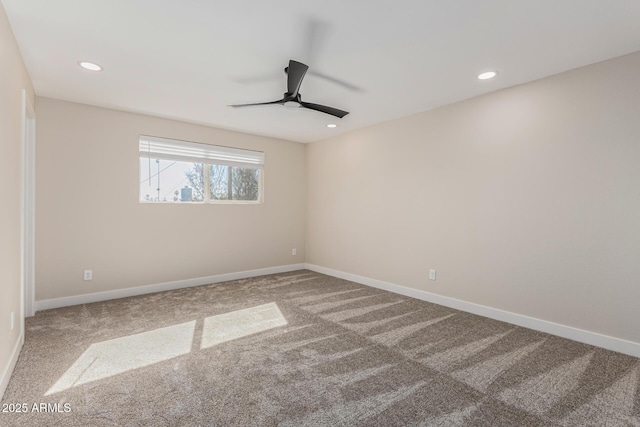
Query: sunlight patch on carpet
x,y
108,358
240,323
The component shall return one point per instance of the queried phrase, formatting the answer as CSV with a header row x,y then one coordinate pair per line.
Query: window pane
x,y
234,183
170,181
245,183
219,182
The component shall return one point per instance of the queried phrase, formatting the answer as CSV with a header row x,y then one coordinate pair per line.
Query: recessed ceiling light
x,y
487,75
332,125
91,66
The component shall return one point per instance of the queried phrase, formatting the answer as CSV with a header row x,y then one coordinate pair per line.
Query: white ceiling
x,y
189,59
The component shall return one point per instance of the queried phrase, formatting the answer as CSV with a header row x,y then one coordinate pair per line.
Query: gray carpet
x,y
305,349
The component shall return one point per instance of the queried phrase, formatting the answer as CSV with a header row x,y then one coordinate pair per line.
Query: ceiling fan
x,y
292,98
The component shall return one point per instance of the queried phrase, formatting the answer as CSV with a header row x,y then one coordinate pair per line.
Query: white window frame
x,y
206,154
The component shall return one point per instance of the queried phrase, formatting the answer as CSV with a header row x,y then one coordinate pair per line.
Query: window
x,y
175,171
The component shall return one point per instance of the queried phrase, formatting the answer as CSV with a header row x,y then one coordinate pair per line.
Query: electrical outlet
x,y
88,275
294,251
432,274
12,321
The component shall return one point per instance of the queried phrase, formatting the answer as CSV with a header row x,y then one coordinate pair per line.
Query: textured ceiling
x,y
378,59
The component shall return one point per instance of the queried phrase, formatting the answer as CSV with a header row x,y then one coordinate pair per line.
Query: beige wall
x,y
526,200
88,214
13,79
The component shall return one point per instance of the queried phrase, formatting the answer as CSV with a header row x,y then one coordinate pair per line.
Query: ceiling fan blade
x,y
315,33
336,81
295,74
324,109
282,101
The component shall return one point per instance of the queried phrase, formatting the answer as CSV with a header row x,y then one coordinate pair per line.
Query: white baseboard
x,y
11,364
593,338
160,287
